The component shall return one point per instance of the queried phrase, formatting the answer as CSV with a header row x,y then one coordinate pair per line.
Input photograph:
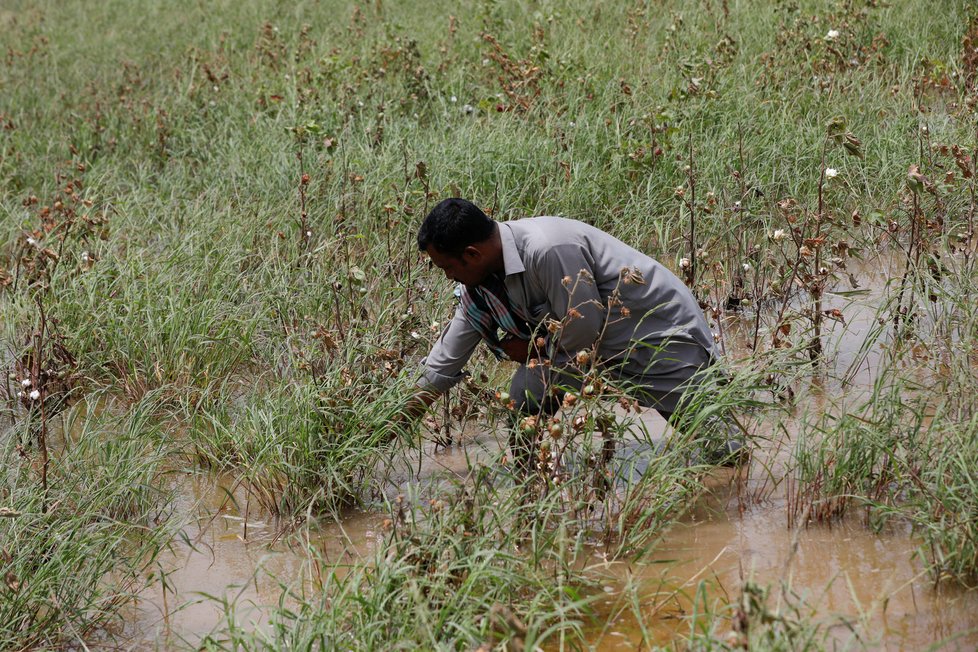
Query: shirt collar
x,y
512,262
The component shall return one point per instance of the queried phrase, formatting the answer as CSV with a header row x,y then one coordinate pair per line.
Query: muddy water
x,y
844,572
225,557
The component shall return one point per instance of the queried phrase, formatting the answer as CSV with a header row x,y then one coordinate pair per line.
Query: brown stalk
x,y
39,386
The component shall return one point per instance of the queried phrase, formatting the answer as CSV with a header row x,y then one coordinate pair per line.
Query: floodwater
x,y
859,583
226,558
845,572
868,588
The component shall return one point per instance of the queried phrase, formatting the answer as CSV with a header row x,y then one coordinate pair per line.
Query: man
x,y
559,296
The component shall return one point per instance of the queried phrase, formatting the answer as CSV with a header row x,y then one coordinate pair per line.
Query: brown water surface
x,y
845,572
225,558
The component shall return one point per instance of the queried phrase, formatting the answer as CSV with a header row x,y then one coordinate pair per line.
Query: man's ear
x,y
472,254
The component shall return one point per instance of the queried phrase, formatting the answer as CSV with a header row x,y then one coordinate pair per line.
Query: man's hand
x,y
518,350
418,403
415,406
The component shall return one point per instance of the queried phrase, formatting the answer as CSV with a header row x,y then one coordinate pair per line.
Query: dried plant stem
x,y
36,375
691,206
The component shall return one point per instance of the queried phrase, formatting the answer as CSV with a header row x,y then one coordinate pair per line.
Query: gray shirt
x,y
603,292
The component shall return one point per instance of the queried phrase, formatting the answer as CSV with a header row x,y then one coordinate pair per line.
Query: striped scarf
x,y
487,309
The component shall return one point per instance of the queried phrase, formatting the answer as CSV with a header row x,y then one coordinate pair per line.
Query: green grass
x,y
71,560
151,202
297,447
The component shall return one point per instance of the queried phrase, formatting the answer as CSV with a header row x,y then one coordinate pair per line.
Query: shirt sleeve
x,y
567,276
442,368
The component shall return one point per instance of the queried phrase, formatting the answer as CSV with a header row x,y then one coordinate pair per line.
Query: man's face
x,y
468,269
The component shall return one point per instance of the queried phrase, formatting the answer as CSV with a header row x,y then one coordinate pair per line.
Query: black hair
x,y
453,225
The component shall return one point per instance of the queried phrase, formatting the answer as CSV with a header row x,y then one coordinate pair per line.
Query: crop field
x,y
213,309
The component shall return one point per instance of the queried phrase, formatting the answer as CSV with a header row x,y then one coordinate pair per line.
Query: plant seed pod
x,y
915,180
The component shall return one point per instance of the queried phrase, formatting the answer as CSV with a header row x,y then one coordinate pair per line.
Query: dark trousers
x,y
666,385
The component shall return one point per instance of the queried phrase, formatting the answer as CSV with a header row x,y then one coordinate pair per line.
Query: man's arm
x,y
442,368
516,349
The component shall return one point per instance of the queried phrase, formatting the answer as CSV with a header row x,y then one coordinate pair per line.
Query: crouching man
x,y
549,293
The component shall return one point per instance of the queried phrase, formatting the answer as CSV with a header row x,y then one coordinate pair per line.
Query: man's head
x,y
462,241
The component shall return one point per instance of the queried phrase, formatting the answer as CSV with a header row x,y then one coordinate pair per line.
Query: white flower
x,y
684,263
779,234
35,395
832,35
571,124
831,173
454,99
31,241
308,234
85,256
415,335
468,108
745,267
26,382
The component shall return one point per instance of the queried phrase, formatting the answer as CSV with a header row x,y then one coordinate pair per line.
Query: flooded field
x,y
868,586
213,309
869,583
